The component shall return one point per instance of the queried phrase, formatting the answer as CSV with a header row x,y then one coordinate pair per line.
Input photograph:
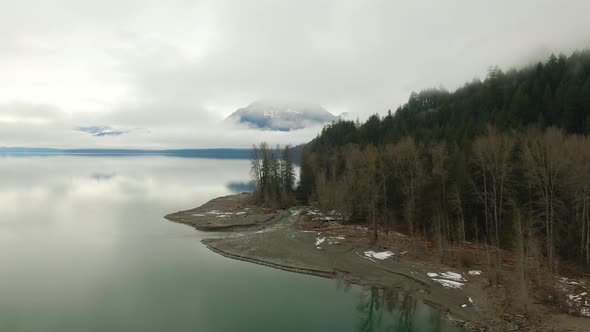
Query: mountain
x,y
282,116
102,131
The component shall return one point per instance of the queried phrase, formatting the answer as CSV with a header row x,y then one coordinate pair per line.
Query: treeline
x,y
529,189
551,94
505,162
273,174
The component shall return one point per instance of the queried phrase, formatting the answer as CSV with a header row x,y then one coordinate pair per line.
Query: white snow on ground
x,y
198,215
222,216
241,212
576,295
470,299
449,283
335,239
379,255
463,305
369,258
567,281
452,276
447,275
217,212
447,279
319,240
474,272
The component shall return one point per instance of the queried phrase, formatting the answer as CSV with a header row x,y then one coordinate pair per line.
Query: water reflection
x,y
84,247
393,310
240,187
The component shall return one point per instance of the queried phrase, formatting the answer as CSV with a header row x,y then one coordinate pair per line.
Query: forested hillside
x,y
505,161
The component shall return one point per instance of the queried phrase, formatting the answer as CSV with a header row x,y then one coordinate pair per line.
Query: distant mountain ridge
x,y
221,153
282,116
215,153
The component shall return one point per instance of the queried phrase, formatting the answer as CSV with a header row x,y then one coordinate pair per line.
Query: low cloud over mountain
x,y
282,116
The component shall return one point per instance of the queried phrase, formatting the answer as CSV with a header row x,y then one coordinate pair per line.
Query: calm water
x,y
84,247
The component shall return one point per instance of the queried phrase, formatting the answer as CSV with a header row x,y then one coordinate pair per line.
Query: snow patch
x,y
335,239
447,279
447,275
365,257
319,240
452,276
449,283
198,215
474,272
379,255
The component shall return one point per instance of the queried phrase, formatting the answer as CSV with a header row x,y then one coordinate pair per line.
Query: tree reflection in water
x,y
392,310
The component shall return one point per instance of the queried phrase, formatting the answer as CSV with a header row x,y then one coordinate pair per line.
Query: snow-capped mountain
x,y
283,116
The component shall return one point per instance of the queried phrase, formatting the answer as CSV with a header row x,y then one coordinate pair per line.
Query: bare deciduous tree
x,y
544,165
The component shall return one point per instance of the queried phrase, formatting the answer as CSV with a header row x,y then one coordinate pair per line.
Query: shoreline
x,y
280,242
302,270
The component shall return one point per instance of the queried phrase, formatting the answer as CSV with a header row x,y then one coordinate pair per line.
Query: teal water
x,y
84,247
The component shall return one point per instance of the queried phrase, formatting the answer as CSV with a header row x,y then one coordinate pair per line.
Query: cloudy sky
x,y
166,73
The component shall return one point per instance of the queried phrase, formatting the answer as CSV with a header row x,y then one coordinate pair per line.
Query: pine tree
x,y
288,171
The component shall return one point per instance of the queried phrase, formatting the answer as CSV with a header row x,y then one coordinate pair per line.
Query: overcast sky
x,y
166,73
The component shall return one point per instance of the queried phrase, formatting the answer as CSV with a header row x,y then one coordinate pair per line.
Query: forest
x,y
504,162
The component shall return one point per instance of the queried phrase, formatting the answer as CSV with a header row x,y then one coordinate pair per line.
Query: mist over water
x,y
84,247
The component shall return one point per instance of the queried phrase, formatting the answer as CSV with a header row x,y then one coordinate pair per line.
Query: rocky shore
x,y
224,213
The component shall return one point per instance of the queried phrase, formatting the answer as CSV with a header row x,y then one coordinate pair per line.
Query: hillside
x,y
554,93
504,161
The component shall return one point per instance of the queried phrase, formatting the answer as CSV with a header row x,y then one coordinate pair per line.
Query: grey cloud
x,y
22,111
178,68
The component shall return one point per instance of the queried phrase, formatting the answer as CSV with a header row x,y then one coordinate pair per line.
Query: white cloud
x,y
169,72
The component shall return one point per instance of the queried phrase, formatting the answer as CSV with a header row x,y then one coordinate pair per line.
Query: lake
x,y
84,247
